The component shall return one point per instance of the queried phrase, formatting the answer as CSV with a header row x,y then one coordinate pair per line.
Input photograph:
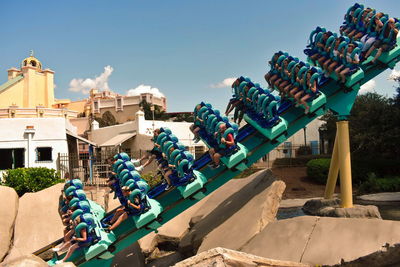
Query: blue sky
x,y
184,48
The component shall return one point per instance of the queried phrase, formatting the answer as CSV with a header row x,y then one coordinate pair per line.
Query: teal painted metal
x,y
194,186
236,158
257,146
270,133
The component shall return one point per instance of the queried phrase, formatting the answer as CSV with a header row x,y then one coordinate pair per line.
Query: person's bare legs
x,y
117,213
304,103
343,74
166,176
150,160
293,91
331,67
287,89
121,218
338,70
377,55
64,246
70,251
68,235
370,50
321,60
297,97
326,64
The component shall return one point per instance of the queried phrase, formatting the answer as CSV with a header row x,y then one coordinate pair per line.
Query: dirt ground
x,y
297,183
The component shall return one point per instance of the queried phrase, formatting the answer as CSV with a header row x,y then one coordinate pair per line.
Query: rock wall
x,y
323,240
8,213
226,257
38,222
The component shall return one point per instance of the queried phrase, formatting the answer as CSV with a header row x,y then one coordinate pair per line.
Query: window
x,y
96,106
44,154
119,105
12,158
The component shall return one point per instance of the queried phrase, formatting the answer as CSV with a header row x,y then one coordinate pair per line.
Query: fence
x,y
91,170
289,155
94,170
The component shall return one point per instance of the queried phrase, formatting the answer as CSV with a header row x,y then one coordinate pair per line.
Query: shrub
x,y
297,161
362,167
304,150
25,180
375,185
317,169
152,179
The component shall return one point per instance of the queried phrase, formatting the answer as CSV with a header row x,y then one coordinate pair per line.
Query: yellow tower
x,y
28,87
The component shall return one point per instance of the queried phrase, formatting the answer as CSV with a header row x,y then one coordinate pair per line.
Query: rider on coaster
x,y
122,214
217,154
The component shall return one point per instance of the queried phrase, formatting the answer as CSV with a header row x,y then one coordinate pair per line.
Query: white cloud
x,y
394,74
142,89
99,82
367,87
225,83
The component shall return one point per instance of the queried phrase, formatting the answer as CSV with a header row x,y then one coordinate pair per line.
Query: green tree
x,y
107,119
148,114
374,127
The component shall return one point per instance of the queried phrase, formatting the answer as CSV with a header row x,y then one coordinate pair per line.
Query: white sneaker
x,y
168,187
59,262
140,169
55,249
136,162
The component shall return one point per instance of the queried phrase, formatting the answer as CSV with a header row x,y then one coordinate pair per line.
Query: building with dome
x,y
33,133
29,92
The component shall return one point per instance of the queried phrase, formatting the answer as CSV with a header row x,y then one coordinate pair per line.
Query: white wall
x,y
49,132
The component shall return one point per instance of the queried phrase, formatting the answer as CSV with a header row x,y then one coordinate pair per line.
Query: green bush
x,y
375,185
298,161
303,150
152,179
363,166
317,170
25,180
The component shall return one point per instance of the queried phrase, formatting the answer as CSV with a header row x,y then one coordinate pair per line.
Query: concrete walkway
x,y
295,202
381,197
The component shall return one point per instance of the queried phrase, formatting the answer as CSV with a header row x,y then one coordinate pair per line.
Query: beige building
x,y
123,108
29,93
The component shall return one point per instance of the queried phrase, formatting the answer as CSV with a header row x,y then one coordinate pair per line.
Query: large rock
x,y
226,257
130,256
8,213
331,208
388,256
31,261
284,239
174,230
25,261
231,218
323,240
38,222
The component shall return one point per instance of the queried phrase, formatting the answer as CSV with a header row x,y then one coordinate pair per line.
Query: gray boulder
x,y
25,261
331,208
323,240
38,222
226,257
234,214
8,211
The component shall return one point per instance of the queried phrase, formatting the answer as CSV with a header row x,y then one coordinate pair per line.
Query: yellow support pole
x,y
333,171
346,190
